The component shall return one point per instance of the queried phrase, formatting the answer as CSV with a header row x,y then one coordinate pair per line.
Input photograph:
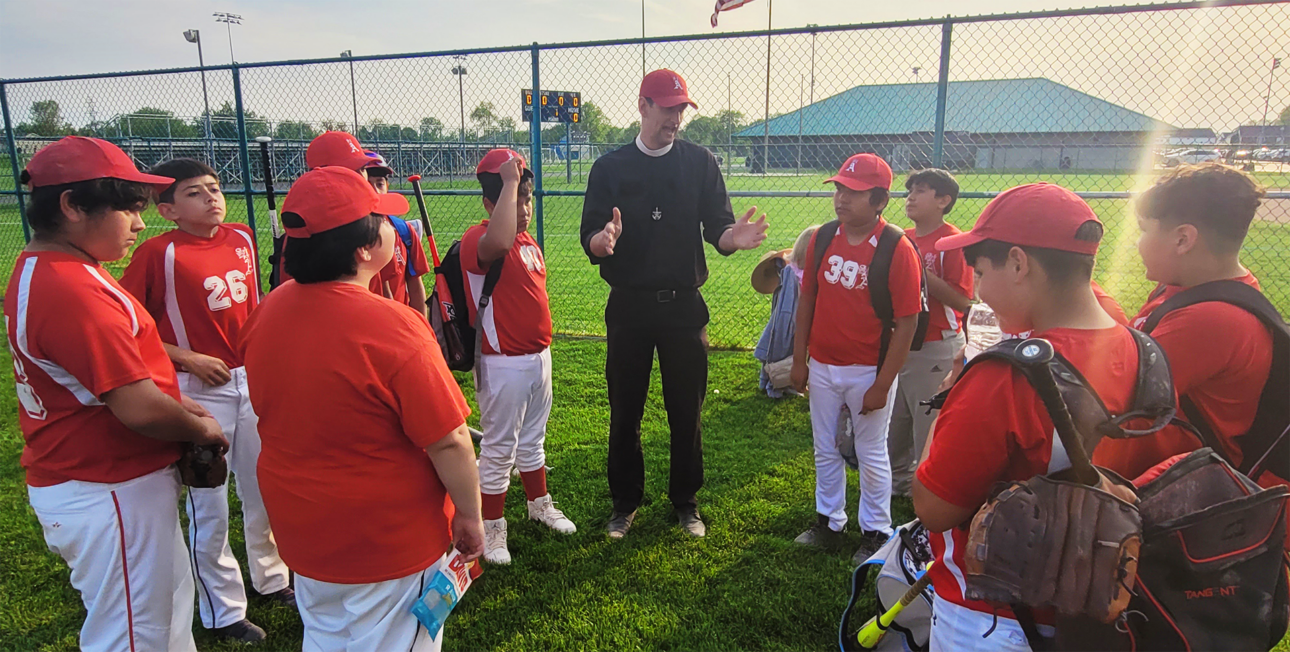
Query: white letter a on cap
x,y
677,81
852,166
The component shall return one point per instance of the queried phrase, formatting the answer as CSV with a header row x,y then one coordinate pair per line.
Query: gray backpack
x,y
895,567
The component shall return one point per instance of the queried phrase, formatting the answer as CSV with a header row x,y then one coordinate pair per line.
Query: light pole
x,y
229,21
1267,99
460,71
812,95
195,36
353,92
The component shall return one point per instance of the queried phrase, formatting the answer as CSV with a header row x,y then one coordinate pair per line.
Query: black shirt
x,y
669,204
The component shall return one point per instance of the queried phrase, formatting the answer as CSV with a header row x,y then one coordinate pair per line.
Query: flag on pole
x,y
1276,61
726,5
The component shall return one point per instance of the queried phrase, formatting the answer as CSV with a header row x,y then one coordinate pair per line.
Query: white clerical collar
x,y
640,144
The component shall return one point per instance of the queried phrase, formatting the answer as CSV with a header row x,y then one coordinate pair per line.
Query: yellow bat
x,y
876,628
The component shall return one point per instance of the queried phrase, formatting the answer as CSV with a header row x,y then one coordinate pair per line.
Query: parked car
x,y
1192,156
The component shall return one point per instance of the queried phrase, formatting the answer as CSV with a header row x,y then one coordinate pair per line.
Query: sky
x,y
1192,68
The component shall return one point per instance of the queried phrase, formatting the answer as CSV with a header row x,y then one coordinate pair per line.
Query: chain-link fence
x,y
1100,100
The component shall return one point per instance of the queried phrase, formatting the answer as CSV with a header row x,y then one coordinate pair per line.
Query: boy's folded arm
x,y
947,294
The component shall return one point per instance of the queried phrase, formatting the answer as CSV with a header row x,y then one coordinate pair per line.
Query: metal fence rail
x,y
1100,100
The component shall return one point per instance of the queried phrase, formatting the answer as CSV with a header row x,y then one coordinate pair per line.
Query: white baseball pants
x,y
832,387
221,596
364,617
922,375
124,546
514,394
956,628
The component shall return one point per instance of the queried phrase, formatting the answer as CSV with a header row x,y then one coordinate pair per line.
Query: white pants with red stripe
x,y
832,387
956,628
221,596
124,546
364,617
514,394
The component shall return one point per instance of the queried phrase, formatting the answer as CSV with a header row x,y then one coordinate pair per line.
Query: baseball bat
x,y
275,230
425,216
1036,353
441,295
876,628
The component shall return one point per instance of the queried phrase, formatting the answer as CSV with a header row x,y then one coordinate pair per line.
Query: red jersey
x,y
1220,357
76,335
199,290
518,318
950,267
350,390
396,271
994,428
1109,304
845,330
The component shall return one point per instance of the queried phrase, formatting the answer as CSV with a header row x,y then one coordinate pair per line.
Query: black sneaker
x,y
819,535
870,542
242,630
619,523
689,519
286,597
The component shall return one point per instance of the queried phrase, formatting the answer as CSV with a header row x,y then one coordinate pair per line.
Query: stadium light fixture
x,y
229,21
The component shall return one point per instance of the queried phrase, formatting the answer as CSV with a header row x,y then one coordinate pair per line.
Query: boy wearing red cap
x,y
363,427
1032,249
839,345
100,408
513,370
200,282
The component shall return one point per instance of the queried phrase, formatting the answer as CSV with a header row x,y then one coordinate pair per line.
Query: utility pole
x,y
229,21
460,71
195,36
353,91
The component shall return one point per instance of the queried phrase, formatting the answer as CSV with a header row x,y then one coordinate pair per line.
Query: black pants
x,y
683,362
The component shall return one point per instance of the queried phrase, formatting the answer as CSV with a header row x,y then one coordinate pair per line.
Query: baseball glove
x,y
202,467
1047,543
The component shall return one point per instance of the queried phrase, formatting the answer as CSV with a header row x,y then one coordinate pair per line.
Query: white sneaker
x,y
495,551
544,511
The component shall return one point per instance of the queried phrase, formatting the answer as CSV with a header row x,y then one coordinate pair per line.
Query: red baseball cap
x,y
1034,215
666,88
336,148
493,160
76,158
862,172
377,162
332,196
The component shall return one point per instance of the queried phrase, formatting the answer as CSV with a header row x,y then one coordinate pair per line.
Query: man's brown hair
x,y
1220,201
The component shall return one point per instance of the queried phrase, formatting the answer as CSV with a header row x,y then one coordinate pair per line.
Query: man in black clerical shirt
x,y
650,205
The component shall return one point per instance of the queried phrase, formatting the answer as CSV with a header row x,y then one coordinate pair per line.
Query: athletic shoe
x,y
820,535
870,542
286,597
691,523
242,630
544,511
495,551
619,523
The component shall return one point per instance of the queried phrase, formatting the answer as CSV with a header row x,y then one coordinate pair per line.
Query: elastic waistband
x,y
657,296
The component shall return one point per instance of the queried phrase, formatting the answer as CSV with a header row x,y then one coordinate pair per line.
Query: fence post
x,y
535,151
13,162
942,90
247,191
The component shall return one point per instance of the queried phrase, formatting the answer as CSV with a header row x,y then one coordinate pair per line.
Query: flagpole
x,y
766,121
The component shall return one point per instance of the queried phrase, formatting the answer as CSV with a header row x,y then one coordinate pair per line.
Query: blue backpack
x,y
409,241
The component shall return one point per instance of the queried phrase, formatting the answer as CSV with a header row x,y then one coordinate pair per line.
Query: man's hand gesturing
x,y
602,244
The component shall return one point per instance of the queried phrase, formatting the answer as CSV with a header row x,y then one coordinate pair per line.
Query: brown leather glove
x,y
202,467
1047,543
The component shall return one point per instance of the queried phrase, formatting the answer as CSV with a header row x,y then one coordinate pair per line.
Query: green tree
x,y
484,119
431,129
334,125
713,130
1284,118
150,122
224,123
294,130
46,120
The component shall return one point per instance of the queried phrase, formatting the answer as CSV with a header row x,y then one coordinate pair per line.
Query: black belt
x,y
658,296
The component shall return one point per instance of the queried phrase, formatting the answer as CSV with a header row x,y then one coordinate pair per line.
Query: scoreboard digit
x,y
555,106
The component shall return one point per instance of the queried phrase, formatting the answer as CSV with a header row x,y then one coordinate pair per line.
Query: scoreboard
x,y
556,106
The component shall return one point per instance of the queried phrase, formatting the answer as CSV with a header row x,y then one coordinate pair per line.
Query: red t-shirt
x,y
845,330
950,267
1220,357
76,335
518,318
199,290
350,389
994,428
396,271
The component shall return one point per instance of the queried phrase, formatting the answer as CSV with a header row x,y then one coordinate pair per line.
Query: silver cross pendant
x,y
657,214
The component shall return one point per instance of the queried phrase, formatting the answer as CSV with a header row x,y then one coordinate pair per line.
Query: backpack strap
x,y
1230,292
404,230
490,282
880,290
821,241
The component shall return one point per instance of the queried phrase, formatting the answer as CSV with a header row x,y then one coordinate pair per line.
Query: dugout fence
x,y
1100,100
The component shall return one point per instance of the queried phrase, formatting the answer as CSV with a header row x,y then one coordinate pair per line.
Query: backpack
x,y
899,563
879,289
1266,440
404,230
459,337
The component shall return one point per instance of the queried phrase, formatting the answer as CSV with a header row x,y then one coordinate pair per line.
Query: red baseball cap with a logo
x,y
493,161
332,196
862,172
76,158
666,88
1034,215
336,148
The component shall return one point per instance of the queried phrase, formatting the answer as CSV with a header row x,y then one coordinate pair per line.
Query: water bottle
x,y
983,330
